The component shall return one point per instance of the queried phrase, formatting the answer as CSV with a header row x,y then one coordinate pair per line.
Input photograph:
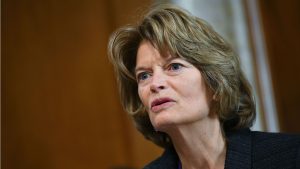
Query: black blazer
x,y
248,150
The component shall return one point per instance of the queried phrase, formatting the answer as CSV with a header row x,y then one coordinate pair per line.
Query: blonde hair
x,y
174,30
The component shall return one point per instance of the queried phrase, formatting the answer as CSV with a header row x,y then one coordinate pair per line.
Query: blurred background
x,y
59,104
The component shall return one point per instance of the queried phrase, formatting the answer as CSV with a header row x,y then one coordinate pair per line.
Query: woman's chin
x,y
163,124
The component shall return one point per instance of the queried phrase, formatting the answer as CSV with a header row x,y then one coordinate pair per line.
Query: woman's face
x,y
172,90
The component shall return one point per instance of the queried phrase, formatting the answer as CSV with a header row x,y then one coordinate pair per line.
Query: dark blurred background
x,y
59,102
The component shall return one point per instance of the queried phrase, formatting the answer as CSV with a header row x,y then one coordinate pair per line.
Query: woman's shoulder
x,y
259,138
275,140
275,149
262,149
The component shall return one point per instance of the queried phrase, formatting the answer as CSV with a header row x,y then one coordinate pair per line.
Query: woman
x,y
183,85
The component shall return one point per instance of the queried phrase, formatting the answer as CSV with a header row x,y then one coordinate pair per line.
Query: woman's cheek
x,y
142,96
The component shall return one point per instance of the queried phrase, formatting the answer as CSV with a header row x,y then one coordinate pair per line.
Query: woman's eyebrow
x,y
170,57
139,68
167,60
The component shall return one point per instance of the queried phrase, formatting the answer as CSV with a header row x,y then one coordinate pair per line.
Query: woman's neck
x,y
200,145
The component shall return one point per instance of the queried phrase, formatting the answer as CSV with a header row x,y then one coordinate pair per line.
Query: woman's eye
x,y
175,66
142,76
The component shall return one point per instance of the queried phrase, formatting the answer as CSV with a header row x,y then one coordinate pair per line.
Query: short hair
x,y
172,29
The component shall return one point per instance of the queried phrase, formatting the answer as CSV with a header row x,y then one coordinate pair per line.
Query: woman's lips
x,y
161,103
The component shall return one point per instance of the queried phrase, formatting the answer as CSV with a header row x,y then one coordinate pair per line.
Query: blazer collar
x,y
168,160
238,154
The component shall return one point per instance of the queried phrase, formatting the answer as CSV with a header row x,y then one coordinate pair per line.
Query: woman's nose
x,y
158,82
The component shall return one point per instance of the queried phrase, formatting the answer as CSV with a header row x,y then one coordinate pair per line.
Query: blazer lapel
x,y
169,159
238,153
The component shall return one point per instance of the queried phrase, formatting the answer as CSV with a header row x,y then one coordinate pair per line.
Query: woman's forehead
x,y
148,55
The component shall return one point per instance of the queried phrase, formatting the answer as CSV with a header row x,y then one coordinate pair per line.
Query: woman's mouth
x,y
161,103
